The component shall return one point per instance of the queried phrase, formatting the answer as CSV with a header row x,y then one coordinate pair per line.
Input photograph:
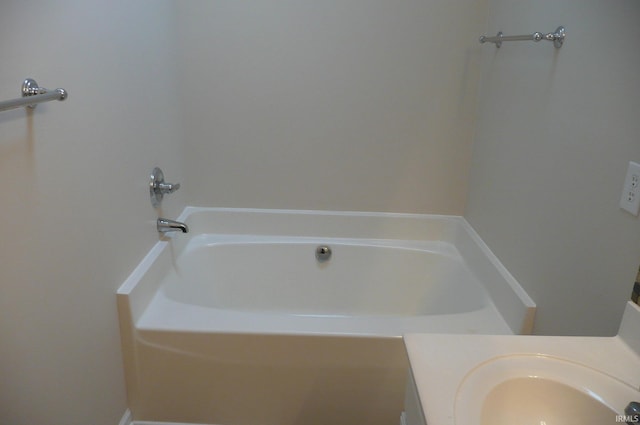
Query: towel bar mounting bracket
x,y
31,88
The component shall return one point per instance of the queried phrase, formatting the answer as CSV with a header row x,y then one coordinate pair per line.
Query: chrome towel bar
x,y
33,94
557,37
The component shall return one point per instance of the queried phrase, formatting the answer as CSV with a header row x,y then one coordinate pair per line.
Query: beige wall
x,y
75,208
339,105
556,129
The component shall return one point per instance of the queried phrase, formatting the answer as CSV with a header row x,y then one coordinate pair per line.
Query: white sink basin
x,y
535,390
524,380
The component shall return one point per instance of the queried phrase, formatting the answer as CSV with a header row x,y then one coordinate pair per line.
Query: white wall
x,y
556,129
75,208
340,105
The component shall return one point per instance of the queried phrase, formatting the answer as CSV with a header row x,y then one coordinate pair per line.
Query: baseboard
x,y
403,418
126,418
164,423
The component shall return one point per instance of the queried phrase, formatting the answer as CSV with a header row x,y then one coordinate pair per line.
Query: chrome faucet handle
x,y
158,188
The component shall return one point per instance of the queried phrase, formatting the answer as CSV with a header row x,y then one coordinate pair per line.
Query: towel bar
x,y
557,37
33,94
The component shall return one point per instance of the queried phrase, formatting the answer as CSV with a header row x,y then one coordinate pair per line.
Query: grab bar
x,y
33,94
557,37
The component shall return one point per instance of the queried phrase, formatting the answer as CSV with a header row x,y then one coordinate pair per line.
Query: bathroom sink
x,y
524,380
538,389
533,401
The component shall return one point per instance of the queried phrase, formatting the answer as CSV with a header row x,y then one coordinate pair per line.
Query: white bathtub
x,y
237,322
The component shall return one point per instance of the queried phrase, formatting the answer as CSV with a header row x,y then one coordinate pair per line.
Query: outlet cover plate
x,y
630,198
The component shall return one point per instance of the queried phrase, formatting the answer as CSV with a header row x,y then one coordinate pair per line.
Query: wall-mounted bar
x,y
557,37
33,94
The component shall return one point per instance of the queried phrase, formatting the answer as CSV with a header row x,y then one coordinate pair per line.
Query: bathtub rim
x,y
509,298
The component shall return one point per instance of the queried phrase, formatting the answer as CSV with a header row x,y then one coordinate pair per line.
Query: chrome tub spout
x,y
165,225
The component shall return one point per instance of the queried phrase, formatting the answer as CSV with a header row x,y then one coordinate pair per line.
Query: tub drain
x,y
323,253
